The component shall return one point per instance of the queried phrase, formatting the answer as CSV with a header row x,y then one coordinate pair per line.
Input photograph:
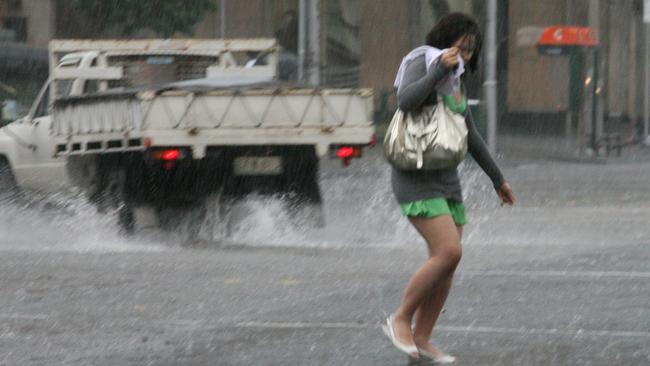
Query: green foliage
x,y
125,17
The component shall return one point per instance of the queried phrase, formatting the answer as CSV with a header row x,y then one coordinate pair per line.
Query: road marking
x,y
302,325
451,328
552,331
444,328
592,274
232,281
24,316
290,282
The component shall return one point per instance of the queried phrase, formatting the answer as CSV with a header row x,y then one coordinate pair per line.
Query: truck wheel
x,y
115,191
83,172
126,219
224,214
186,220
8,186
110,197
306,207
305,200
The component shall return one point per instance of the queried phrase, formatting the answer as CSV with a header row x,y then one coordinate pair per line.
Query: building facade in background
x,y
537,86
362,43
26,26
31,22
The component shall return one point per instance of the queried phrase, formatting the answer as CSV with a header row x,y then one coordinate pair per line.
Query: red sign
x,y
563,36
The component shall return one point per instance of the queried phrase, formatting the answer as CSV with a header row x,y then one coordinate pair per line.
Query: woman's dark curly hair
x,y
451,28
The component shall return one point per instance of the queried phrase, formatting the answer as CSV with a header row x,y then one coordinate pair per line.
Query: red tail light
x,y
171,154
345,152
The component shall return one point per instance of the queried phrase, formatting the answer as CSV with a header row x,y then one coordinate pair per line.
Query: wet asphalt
x,y
561,279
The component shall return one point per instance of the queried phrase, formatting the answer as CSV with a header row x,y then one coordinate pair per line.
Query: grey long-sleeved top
x,y
416,90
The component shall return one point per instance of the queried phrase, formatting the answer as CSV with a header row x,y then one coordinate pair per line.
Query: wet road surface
x,y
561,279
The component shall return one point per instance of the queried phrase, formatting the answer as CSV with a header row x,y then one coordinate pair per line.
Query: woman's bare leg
x,y
427,314
443,242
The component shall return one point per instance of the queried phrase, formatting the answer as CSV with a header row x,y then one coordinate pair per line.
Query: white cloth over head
x,y
449,85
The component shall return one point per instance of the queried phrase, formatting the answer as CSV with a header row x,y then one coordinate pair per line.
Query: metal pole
x,y
302,38
646,86
223,19
490,84
594,105
594,23
314,42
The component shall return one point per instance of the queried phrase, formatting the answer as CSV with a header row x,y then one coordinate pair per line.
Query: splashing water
x,y
61,222
358,205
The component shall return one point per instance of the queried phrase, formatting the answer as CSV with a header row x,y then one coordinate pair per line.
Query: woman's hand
x,y
450,57
505,194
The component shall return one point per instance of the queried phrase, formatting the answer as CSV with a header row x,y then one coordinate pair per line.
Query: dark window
x,y
64,87
15,5
44,105
19,26
91,85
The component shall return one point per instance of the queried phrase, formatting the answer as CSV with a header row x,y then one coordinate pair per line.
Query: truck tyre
x,y
224,214
185,220
305,204
8,186
305,200
126,219
111,197
115,190
83,172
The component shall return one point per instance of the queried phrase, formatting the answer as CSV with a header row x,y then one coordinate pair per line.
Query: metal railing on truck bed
x,y
231,116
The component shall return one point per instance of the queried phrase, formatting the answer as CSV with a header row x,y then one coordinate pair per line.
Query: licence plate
x,y
268,165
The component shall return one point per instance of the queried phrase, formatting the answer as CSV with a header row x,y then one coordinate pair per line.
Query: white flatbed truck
x,y
166,123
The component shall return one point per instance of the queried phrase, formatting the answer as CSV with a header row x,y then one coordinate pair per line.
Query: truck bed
x,y
205,112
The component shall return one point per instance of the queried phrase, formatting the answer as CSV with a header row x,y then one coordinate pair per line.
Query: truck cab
x,y
26,145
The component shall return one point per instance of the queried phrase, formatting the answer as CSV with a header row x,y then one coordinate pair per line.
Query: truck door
x,y
35,166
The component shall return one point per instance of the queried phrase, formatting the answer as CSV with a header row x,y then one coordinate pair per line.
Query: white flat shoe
x,y
411,351
445,359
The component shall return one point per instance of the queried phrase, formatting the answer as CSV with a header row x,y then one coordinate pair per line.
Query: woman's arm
x,y
418,84
480,153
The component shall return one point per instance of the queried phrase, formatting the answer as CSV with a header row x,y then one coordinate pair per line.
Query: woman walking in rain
x,y
432,199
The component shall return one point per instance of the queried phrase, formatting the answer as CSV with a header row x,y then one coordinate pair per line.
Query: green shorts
x,y
436,207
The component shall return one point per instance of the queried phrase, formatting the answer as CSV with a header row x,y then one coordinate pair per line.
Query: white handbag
x,y
429,139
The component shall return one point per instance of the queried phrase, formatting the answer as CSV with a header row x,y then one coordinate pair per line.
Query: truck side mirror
x,y
9,112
